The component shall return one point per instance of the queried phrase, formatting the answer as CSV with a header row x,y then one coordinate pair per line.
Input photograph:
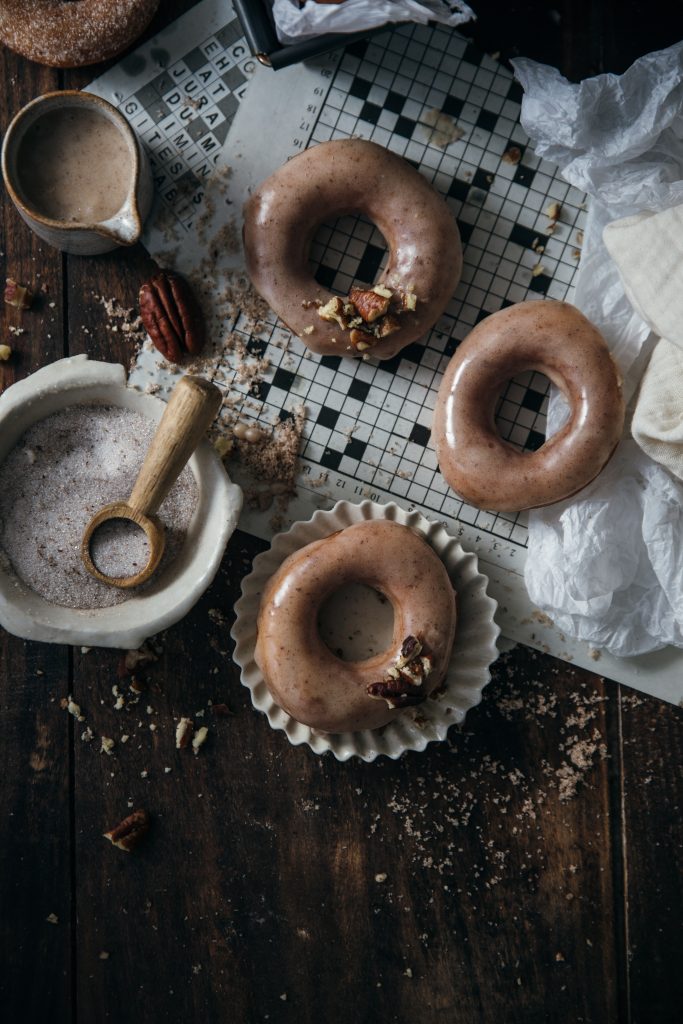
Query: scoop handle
x,y
190,410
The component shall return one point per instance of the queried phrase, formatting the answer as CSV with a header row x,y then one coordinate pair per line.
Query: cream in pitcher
x,y
77,173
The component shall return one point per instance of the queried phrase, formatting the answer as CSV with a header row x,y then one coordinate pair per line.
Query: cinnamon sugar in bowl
x,y
204,512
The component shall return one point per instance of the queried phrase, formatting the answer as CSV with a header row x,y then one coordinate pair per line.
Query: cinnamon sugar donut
x,y
325,182
311,683
555,339
69,34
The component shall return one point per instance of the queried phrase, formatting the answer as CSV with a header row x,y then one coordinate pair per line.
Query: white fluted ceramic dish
x,y
473,652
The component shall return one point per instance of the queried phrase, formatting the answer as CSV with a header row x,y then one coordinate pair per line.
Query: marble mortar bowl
x,y
79,380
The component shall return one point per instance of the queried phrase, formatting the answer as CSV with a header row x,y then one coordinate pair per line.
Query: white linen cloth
x,y
607,565
648,251
658,416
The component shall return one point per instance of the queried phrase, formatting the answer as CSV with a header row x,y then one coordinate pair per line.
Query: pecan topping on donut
x,y
369,314
371,304
333,311
361,340
386,326
405,683
410,649
409,302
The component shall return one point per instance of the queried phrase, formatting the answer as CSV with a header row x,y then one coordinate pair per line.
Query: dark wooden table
x,y
528,869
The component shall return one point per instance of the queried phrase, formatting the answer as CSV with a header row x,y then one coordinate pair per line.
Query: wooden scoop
x,y
189,412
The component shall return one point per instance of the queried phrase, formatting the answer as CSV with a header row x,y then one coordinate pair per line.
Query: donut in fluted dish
x,y
327,181
555,339
71,34
306,678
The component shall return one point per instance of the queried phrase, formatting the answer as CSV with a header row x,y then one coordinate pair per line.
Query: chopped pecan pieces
x,y
183,733
386,326
136,659
382,289
333,312
368,314
128,833
370,304
17,295
405,682
512,155
361,340
396,693
199,739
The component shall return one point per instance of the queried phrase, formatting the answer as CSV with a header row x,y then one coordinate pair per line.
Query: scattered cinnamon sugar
x,y
500,796
275,458
121,320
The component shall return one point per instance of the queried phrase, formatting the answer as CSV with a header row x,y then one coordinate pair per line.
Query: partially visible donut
x,y
555,339
311,683
353,176
70,34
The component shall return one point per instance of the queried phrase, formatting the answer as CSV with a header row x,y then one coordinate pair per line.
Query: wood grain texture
x,y
526,870
652,794
35,804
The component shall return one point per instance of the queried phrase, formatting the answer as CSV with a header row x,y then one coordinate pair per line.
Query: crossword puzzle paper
x,y
180,92
453,112
368,423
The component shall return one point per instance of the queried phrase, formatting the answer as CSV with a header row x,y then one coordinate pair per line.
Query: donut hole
x,y
356,622
349,250
521,411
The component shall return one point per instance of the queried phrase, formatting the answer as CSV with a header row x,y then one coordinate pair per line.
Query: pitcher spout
x,y
125,227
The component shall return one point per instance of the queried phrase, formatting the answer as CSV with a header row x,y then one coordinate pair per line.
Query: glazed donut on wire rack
x,y
555,339
327,181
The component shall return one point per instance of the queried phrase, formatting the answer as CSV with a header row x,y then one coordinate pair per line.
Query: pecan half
x,y
370,304
172,316
128,833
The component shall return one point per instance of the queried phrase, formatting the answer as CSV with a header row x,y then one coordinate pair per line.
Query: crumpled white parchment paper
x,y
293,23
607,565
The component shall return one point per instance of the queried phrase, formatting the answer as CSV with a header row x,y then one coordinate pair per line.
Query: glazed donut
x,y
67,34
555,339
327,181
311,683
